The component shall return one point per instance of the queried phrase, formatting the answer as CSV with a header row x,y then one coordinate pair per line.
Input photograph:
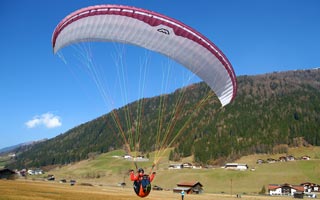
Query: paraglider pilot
x,y
142,182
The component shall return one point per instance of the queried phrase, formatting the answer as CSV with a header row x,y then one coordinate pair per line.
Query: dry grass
x,y
43,190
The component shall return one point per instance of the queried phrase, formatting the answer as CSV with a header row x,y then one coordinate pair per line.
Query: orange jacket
x,y
138,177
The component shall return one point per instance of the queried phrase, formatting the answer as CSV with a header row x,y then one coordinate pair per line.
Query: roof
x,y
273,186
298,188
6,170
235,164
309,184
276,186
189,184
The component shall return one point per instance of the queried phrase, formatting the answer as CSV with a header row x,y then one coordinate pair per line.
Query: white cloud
x,y
49,120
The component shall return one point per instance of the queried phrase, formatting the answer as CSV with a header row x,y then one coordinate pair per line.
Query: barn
x,y
7,174
189,188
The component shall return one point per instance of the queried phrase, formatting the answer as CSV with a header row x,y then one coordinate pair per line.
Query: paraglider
x,y
156,32
142,182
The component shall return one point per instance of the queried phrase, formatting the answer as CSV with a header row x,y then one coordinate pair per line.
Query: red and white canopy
x,y
155,32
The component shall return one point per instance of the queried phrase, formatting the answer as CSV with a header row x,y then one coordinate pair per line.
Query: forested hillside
x,y
270,113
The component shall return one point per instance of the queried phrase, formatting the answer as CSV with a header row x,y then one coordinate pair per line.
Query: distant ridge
x,y
17,146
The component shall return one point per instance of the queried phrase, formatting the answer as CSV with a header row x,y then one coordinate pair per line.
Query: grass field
x,y
41,190
105,171
109,171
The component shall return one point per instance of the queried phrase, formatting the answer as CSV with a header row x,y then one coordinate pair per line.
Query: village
x,y
283,159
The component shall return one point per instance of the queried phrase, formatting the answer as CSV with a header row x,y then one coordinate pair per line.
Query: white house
x,y
274,189
141,159
305,158
35,172
187,165
284,189
310,187
31,172
127,157
236,166
290,158
175,166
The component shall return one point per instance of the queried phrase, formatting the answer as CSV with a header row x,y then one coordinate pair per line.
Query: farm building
x,y
283,159
290,158
187,165
180,166
287,158
35,172
310,187
260,161
271,160
305,158
175,166
284,189
7,174
236,166
189,187
127,157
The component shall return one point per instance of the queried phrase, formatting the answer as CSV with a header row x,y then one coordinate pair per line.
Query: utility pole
x,y
231,186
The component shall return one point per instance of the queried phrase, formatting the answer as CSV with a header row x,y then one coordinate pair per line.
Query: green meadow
x,y
110,169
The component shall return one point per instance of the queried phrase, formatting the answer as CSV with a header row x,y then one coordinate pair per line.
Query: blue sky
x,y
42,97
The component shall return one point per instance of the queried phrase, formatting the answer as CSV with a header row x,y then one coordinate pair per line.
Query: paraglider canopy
x,y
155,32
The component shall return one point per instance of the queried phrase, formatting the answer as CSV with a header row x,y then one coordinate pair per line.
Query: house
x,y
290,158
7,174
271,160
141,159
180,166
284,189
35,171
189,187
12,155
127,157
283,159
50,177
310,187
31,172
196,167
38,171
175,166
260,161
236,166
305,157
186,165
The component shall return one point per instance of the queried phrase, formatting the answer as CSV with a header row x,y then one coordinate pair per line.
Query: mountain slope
x,y
270,113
